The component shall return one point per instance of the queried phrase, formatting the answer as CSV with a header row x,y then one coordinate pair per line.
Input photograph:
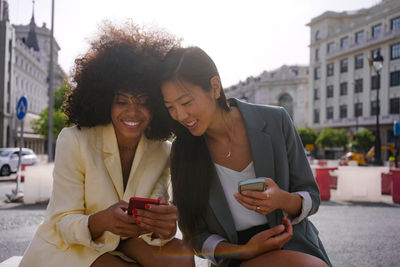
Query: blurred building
x,y
24,71
286,87
343,86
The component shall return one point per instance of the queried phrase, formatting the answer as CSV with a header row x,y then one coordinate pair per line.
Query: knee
x,y
176,253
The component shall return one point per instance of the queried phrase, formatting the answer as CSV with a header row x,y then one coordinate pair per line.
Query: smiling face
x,y
130,117
190,105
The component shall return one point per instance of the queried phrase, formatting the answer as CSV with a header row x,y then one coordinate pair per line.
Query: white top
x,y
242,217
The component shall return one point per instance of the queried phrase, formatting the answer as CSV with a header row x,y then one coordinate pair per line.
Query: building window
x,y
316,115
374,107
344,42
395,105
316,54
358,109
376,30
375,52
359,37
343,65
330,69
316,94
395,78
395,24
358,85
343,111
329,91
317,73
395,51
375,82
330,47
318,36
329,113
343,88
359,61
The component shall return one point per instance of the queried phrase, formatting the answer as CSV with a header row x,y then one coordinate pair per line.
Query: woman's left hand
x,y
159,219
262,202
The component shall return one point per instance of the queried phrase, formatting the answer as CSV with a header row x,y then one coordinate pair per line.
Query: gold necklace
x,y
228,155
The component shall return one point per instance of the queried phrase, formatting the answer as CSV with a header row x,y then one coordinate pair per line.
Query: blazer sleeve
x,y
67,206
300,174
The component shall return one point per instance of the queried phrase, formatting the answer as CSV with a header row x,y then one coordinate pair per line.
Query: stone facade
x,y
286,87
343,85
24,71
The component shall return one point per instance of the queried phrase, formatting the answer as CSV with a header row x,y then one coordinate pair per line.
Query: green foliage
x,y
332,138
60,95
363,140
41,125
307,135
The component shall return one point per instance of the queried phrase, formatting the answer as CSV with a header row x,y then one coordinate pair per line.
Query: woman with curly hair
x,y
116,150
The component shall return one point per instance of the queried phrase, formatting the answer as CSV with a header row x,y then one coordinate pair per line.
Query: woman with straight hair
x,y
220,143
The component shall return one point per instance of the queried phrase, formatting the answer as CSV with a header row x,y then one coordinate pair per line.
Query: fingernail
x,y
134,211
134,216
138,222
147,206
244,193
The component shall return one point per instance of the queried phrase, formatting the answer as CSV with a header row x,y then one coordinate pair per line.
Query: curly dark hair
x,y
124,59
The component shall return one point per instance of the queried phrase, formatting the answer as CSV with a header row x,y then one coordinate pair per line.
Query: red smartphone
x,y
139,203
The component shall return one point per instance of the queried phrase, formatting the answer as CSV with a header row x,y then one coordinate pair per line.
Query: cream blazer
x,y
87,179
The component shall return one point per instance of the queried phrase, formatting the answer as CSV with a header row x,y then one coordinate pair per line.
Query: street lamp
x,y
377,63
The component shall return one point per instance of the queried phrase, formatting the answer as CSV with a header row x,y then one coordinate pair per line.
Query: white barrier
x,y
359,183
38,183
11,262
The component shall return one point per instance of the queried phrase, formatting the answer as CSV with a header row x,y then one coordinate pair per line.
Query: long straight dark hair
x,y
191,164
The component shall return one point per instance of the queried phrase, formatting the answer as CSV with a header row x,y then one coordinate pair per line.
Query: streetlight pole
x,y
51,90
377,64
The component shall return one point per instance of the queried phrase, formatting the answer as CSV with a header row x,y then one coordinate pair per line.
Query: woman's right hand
x,y
115,220
268,240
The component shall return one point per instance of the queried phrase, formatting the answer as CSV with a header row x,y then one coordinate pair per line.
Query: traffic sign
x,y
22,107
396,128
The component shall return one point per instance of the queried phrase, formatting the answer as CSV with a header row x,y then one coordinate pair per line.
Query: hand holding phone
x,y
139,203
257,184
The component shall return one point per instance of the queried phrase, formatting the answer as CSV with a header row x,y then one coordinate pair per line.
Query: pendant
x,y
228,155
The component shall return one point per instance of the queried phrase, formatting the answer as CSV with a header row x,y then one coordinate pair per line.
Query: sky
x,y
244,38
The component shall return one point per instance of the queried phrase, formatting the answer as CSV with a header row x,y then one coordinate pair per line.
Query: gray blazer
x,y
278,154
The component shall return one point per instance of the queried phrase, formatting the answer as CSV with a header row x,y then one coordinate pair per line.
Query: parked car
x,y
9,159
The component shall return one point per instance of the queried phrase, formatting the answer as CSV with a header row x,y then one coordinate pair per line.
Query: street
x,y
354,234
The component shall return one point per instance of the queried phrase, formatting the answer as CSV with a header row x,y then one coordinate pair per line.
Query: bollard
x,y
386,182
23,172
396,185
323,179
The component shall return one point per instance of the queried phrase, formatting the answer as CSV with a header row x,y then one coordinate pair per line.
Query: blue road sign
x,y
22,107
396,128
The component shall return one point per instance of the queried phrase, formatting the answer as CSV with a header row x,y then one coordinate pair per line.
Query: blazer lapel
x,y
261,148
133,184
259,140
220,208
112,160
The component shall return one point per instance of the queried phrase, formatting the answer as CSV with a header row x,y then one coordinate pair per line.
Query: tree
x,y
363,140
307,135
41,125
332,138
60,95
